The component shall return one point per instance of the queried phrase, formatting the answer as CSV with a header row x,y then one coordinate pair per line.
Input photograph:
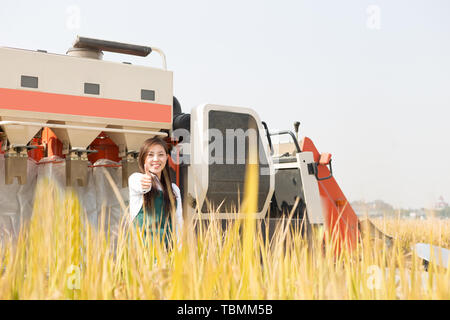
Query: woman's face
x,y
156,159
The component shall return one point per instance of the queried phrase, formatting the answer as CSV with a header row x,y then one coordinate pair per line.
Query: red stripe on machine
x,y
34,101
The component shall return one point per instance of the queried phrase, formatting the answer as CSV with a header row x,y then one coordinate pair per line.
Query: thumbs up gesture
x,y
146,180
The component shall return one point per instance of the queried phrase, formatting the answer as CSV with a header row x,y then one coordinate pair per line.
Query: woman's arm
x,y
136,190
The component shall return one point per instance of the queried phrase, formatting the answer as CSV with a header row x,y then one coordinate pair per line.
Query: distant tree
x,y
444,212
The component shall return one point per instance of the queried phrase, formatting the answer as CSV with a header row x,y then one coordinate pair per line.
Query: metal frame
x,y
314,208
64,126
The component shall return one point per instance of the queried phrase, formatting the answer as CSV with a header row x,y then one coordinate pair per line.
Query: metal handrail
x,y
279,133
118,47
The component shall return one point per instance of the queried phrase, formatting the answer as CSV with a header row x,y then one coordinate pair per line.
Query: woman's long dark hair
x,y
166,181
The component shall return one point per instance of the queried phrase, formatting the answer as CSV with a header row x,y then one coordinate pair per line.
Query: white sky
x,y
377,99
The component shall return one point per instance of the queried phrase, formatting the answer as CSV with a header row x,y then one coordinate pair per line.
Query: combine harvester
x,y
75,117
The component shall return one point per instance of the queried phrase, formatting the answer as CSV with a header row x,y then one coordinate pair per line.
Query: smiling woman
x,y
155,202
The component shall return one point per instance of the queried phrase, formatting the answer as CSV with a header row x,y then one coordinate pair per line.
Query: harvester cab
x,y
215,150
294,181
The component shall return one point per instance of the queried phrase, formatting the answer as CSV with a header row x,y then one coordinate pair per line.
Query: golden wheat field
x,y
58,255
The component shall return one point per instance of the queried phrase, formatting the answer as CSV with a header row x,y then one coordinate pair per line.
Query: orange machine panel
x,y
35,101
54,145
340,218
38,153
106,149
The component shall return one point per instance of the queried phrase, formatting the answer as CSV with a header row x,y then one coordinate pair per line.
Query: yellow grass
x,y
432,230
58,255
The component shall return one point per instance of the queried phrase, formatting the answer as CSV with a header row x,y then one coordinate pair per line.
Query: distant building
x,y
440,204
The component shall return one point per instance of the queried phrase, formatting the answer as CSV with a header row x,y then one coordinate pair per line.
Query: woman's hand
x,y
146,180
